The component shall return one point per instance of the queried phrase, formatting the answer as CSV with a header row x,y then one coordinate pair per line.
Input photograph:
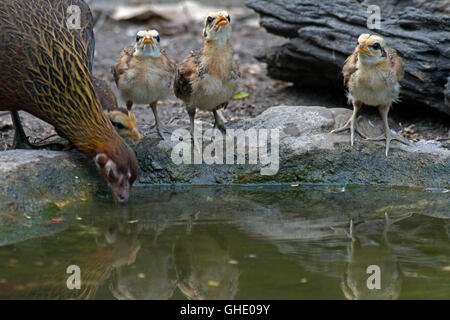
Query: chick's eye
x,y
157,38
138,38
209,19
229,18
376,46
118,125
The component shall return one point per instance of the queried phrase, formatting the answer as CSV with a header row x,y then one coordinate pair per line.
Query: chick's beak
x,y
362,49
135,135
221,21
148,40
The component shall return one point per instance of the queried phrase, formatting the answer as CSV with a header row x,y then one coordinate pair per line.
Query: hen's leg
x,y
21,140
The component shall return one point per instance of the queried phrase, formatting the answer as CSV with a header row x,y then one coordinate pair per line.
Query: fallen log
x,y
322,34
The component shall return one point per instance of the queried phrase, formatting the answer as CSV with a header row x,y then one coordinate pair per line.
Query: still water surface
x,y
277,242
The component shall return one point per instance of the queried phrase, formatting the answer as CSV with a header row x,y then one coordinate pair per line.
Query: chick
x,y
207,80
124,121
144,73
372,74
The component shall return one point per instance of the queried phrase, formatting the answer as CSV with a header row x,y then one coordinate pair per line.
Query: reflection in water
x,y
204,269
373,249
197,264
243,243
150,277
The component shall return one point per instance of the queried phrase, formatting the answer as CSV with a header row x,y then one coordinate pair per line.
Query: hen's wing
x,y
106,96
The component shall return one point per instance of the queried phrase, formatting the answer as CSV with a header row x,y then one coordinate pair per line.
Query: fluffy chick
x,y
207,80
124,121
144,73
372,74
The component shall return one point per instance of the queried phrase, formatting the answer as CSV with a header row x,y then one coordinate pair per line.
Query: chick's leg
x,y
219,123
129,105
388,135
351,123
191,112
157,122
195,142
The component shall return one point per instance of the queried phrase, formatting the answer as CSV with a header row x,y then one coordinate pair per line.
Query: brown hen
x,y
46,71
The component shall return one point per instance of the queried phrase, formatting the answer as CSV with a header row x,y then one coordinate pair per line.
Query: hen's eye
x,y
112,176
209,19
376,46
138,38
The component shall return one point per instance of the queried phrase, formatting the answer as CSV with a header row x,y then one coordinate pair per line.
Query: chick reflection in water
x,y
196,264
151,277
372,271
204,270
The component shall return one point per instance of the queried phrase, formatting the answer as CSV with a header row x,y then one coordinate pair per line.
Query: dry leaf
x,y
54,221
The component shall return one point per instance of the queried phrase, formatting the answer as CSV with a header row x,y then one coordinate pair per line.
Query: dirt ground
x,y
183,35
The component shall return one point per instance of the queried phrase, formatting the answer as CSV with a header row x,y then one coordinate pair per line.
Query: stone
x,y
38,184
44,181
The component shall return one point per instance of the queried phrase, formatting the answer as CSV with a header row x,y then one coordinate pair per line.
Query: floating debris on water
x,y
213,283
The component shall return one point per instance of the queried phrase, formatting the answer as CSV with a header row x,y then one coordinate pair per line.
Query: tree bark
x,y
322,34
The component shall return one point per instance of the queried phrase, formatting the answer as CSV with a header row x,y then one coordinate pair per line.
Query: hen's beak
x,y
362,49
221,21
148,40
121,196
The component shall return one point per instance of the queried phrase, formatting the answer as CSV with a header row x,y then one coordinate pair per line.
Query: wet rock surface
x,y
308,153
36,181
40,183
